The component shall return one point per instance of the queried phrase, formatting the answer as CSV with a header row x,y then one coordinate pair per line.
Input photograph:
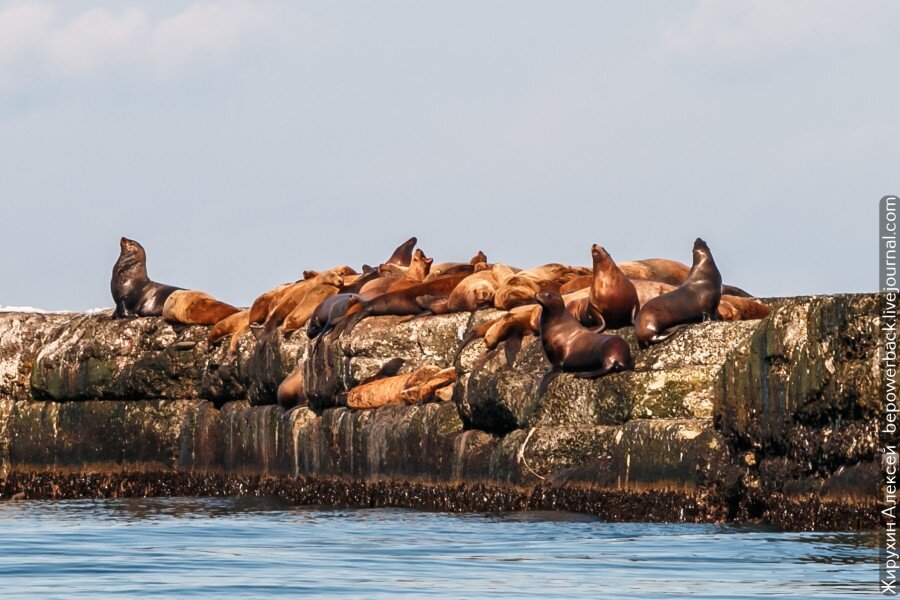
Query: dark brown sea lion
x,y
132,291
329,313
731,308
612,301
572,348
694,301
402,256
192,307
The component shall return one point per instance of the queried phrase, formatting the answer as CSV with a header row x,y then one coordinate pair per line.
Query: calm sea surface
x,y
259,548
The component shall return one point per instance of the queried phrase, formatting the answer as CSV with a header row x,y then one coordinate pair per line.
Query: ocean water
x,y
263,548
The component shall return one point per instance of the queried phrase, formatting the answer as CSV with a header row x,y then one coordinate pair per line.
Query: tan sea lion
x,y
192,307
234,325
132,291
407,388
693,301
447,268
301,313
322,285
474,292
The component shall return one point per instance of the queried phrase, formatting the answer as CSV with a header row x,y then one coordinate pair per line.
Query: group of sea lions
x,y
567,306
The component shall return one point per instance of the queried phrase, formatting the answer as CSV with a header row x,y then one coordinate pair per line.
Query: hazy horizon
x,y
242,143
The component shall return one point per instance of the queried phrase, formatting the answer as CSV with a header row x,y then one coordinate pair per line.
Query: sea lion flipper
x,y
667,333
546,380
512,346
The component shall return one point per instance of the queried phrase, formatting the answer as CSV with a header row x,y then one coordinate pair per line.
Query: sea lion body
x,y
572,348
132,290
612,300
192,307
290,392
694,301
474,292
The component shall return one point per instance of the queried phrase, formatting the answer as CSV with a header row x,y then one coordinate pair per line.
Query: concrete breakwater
x,y
756,421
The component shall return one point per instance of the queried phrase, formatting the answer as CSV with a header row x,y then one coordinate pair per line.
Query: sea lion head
x,y
550,300
700,248
599,254
420,265
132,257
331,278
478,259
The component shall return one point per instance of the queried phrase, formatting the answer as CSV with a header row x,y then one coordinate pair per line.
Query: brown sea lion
x,y
694,301
315,295
556,272
290,392
572,348
132,291
612,301
403,254
329,313
402,302
321,286
519,322
192,307
265,303
234,325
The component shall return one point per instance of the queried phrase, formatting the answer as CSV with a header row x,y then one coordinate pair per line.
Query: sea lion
x,y
520,289
656,269
572,348
474,292
556,272
519,322
582,282
694,301
290,392
315,295
321,286
448,268
234,325
417,386
612,300
329,313
403,254
132,291
192,307
266,302
402,302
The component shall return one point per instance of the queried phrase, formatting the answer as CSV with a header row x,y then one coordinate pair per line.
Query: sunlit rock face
x,y
750,413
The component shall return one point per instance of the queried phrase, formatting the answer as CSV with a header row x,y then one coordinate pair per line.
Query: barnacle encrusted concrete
x,y
743,421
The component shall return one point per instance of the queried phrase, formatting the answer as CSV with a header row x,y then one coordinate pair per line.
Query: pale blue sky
x,y
244,142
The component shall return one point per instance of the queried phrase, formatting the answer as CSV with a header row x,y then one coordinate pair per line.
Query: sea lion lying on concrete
x,y
132,291
329,313
695,300
454,268
192,307
415,387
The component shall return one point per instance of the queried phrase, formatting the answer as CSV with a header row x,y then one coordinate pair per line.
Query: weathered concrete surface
x,y
756,417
